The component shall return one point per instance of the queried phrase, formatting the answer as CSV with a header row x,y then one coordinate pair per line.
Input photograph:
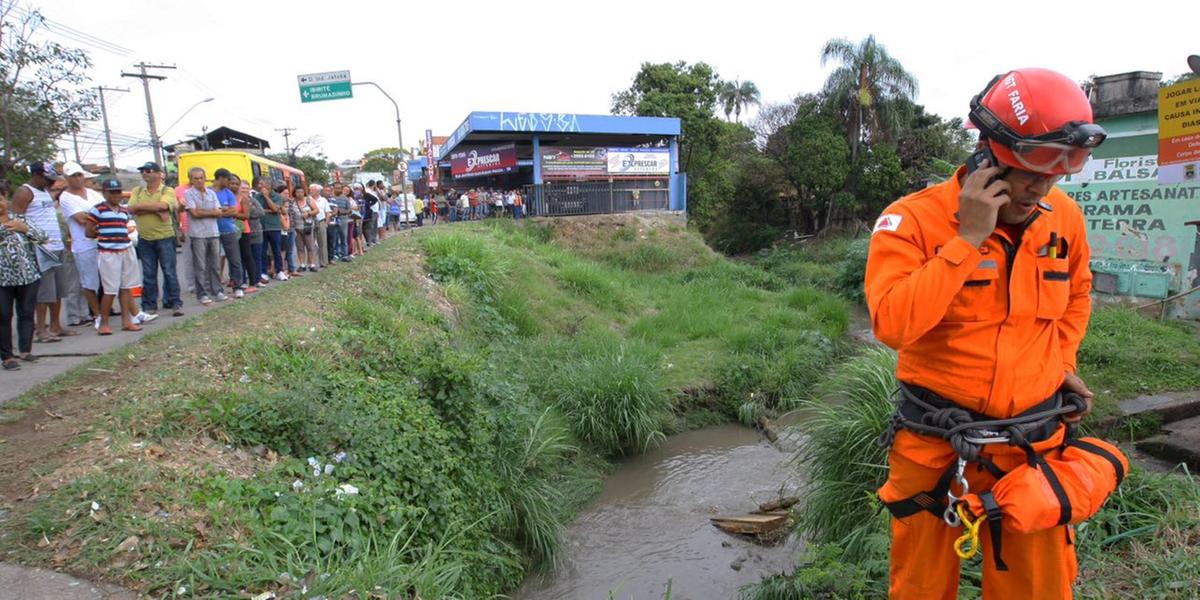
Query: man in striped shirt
x,y
108,224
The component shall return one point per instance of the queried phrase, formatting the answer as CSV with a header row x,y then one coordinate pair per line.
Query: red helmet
x,y
1037,120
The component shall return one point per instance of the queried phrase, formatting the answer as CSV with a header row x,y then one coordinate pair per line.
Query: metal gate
x,y
554,199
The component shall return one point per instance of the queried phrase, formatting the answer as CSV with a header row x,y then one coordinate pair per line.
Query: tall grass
x,y
611,392
530,464
602,287
843,463
1125,354
1143,543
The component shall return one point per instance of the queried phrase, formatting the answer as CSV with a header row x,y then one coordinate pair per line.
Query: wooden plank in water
x,y
750,524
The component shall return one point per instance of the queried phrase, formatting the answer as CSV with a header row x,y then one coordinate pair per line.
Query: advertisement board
x,y
574,163
639,161
416,167
474,162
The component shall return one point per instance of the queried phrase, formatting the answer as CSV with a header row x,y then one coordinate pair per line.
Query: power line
x,y
70,33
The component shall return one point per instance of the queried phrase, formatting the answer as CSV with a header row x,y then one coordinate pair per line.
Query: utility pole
x,y
75,141
287,131
112,165
145,77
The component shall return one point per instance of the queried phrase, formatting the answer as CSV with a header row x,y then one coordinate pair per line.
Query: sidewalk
x,y
24,583
57,358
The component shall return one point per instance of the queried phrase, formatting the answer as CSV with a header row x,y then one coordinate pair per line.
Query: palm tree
x,y
736,96
870,86
726,90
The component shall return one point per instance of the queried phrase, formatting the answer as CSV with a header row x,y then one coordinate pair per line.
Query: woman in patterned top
x,y
19,276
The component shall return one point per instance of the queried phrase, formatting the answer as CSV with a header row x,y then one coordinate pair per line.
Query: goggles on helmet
x,y
1066,149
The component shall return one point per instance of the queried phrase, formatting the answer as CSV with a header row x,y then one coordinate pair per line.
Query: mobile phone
x,y
975,160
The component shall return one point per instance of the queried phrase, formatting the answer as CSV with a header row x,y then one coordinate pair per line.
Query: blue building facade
x,y
569,163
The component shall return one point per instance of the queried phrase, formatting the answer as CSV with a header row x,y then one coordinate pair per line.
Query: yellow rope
x,y
967,545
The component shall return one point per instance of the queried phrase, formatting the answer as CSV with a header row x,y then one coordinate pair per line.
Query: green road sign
x,y
332,85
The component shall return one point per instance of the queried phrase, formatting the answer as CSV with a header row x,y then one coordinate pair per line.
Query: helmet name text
x,y
1014,97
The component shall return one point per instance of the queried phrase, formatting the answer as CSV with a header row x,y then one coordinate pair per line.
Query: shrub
x,y
733,237
611,393
852,270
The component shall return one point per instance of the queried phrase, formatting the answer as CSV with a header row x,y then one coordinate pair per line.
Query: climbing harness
x,y
968,432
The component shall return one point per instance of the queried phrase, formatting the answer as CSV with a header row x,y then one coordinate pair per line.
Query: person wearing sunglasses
x,y
981,283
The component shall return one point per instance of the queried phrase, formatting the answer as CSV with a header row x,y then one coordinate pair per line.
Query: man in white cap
x,y
76,201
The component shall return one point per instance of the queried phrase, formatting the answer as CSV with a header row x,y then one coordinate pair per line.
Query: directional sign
x,y
332,85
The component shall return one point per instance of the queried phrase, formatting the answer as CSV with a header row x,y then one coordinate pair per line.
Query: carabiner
x,y
950,516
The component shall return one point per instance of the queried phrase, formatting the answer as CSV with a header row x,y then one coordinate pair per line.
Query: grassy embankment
x,y
424,421
1145,542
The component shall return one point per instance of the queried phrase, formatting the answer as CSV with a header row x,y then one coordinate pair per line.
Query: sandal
x,y
131,328
65,333
104,330
46,339
12,365
28,357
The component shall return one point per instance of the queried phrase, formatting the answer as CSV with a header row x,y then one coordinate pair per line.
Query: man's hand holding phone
x,y
979,202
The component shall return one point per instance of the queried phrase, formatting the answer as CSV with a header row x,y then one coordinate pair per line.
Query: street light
x,y
158,142
185,113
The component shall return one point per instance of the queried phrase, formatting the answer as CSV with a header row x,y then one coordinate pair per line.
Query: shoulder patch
x,y
887,222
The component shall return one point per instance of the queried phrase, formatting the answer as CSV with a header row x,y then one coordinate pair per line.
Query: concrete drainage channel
x,y
1177,416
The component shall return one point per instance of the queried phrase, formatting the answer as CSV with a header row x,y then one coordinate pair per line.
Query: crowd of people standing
x,y
472,205
76,249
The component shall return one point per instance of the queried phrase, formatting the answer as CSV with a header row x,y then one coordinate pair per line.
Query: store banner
x,y
639,161
574,163
474,162
431,159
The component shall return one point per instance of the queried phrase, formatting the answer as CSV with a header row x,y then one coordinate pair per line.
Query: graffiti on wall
x,y
539,122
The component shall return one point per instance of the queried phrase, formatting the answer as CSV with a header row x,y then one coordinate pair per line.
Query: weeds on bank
x,y
835,265
1126,354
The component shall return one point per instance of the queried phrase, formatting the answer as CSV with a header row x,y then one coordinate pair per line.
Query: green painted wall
x,y
1130,216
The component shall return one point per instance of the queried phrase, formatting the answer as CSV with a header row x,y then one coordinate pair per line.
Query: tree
x,y
771,118
866,86
930,147
42,89
815,159
881,181
688,92
316,166
736,96
1178,79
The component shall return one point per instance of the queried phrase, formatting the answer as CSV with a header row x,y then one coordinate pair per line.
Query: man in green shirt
x,y
153,207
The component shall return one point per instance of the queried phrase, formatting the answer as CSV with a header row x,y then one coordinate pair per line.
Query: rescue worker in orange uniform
x,y
981,283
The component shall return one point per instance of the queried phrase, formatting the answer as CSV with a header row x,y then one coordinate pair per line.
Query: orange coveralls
x,y
992,329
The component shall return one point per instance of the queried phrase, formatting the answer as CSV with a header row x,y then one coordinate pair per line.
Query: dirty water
x,y
650,523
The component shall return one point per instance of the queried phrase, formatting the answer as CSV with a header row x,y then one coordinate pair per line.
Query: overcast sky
x,y
441,60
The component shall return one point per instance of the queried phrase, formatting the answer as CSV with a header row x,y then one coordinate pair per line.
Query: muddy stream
x,y
650,523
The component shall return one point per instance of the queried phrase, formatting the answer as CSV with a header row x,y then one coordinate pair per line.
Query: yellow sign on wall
x,y
1179,123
